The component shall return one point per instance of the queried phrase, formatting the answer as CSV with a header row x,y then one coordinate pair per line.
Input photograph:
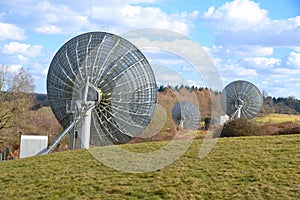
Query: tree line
x,y
280,105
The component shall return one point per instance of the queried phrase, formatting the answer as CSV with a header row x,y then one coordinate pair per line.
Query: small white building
x,y
223,119
30,145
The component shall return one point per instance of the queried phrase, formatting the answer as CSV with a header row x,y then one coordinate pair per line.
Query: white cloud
x,y
172,79
196,83
48,29
294,59
239,50
11,32
162,61
297,49
212,53
22,58
283,82
78,4
238,15
186,15
123,17
240,71
175,44
255,50
244,23
186,68
22,49
14,67
262,62
286,71
50,17
59,18
232,68
65,17
246,47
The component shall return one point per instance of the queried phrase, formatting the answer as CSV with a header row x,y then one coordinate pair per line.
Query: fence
x,y
6,155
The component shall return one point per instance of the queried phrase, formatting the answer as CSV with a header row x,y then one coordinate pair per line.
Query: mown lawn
x,y
237,168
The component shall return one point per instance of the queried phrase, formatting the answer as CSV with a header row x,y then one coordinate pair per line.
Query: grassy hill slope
x,y
237,168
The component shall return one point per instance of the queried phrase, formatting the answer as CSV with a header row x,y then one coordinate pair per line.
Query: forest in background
x,y
279,105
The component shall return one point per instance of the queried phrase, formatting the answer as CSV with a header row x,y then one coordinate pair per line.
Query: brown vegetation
x,y
244,127
167,97
15,102
281,128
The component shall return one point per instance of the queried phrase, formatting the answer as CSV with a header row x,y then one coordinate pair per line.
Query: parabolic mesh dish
x,y
244,96
186,115
120,74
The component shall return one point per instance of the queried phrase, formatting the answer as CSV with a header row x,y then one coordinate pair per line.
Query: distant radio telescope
x,y
241,99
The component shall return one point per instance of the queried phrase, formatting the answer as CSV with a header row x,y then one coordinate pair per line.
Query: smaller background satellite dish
x,y
241,99
186,115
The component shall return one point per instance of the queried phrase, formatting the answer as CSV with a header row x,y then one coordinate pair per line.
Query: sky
x,y
253,40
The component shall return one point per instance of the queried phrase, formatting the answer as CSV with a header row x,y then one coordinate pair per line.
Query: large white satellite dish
x,y
101,87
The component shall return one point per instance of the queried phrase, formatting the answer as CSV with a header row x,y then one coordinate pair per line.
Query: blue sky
x,y
257,41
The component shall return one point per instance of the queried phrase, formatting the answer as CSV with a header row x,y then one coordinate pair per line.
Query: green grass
x,y
237,168
277,118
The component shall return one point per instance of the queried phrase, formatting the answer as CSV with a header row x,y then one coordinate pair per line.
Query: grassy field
x,y
237,168
277,118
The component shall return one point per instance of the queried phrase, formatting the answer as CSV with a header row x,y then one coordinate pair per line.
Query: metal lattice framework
x,y
241,99
186,115
107,75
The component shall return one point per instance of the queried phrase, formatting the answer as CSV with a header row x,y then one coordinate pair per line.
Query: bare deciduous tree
x,y
15,100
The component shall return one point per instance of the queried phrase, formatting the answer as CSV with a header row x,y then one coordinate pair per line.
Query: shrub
x,y
294,130
244,127
281,128
240,127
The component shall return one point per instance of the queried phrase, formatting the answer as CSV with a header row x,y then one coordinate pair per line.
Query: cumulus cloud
x,y
134,17
11,31
63,17
242,72
170,79
284,83
235,69
237,15
242,50
286,71
246,42
262,62
178,44
244,22
48,29
60,18
294,59
22,58
22,49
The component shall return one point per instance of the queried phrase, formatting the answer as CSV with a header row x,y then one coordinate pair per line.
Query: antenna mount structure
x,y
241,99
102,87
186,115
